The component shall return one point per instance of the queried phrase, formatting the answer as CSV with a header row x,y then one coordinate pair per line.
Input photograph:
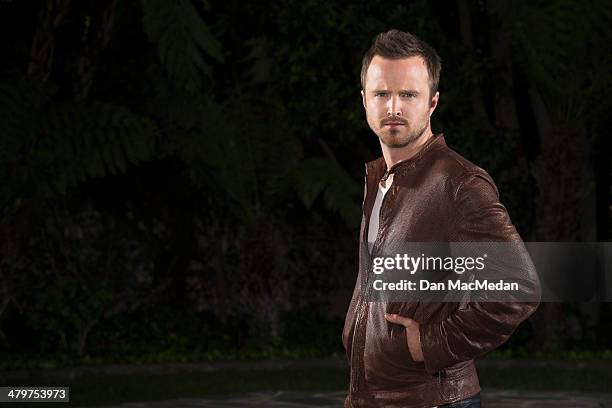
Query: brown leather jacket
x,y
437,195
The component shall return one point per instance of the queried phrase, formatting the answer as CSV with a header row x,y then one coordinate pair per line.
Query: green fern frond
x,y
182,39
80,143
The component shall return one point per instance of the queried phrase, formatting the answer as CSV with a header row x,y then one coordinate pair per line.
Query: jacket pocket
x,y
399,336
402,345
388,362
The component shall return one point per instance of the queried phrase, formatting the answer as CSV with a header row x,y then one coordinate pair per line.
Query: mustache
x,y
394,120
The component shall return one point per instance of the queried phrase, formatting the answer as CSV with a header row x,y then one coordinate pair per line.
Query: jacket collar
x,y
379,167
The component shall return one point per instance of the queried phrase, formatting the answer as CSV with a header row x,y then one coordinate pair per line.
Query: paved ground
x,y
290,399
166,368
491,398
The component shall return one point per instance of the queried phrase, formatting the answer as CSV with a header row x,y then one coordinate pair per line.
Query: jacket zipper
x,y
355,367
355,364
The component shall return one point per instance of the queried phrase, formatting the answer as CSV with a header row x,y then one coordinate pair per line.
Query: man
x,y
416,354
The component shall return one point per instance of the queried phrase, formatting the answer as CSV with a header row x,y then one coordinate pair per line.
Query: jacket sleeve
x,y
477,327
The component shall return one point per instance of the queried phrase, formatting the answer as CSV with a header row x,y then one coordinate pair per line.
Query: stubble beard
x,y
403,136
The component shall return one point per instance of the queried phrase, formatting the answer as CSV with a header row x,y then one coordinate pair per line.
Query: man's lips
x,y
394,124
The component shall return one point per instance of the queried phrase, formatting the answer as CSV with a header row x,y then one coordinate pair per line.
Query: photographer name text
x,y
424,284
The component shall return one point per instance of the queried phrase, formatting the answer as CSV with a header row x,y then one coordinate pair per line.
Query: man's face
x,y
396,99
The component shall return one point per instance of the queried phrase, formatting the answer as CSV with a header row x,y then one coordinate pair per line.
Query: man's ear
x,y
363,100
434,103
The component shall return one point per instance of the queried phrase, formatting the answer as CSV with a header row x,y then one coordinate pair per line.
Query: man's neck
x,y
395,155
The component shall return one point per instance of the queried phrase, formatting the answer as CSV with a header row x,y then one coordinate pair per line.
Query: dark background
x,y
181,180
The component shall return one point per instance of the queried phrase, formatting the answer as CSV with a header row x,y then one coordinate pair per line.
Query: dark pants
x,y
470,402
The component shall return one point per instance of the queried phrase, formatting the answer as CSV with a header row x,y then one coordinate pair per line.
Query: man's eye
x,y
410,95
380,94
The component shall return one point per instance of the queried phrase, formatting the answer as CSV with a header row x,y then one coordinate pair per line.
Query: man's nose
x,y
394,106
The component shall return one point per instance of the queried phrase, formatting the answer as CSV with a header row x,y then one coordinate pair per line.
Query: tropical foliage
x,y
170,164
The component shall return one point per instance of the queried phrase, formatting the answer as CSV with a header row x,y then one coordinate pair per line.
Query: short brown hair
x,y
395,44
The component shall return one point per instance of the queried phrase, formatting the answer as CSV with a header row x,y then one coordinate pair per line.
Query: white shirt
x,y
374,218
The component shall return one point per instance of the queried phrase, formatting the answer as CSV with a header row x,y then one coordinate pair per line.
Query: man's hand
x,y
413,334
